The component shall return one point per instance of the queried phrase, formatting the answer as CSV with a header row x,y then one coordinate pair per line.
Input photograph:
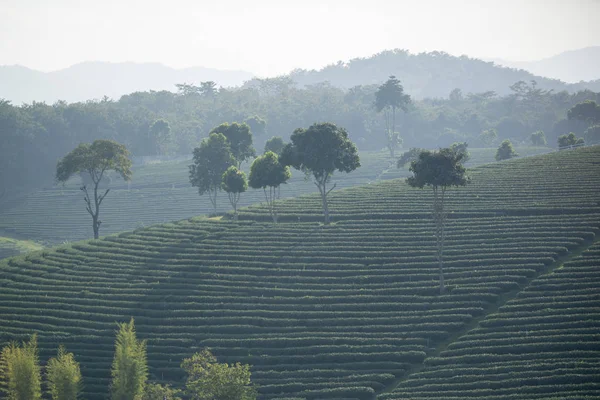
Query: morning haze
x,y
308,200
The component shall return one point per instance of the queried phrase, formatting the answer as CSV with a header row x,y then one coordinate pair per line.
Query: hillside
x,y
94,80
161,193
569,66
349,310
433,74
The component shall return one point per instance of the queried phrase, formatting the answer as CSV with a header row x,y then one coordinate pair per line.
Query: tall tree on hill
x,y
320,150
234,183
439,170
160,134
211,160
240,140
391,97
267,171
129,368
95,159
20,376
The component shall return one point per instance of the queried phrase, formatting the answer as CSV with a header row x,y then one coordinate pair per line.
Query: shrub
x,y
505,151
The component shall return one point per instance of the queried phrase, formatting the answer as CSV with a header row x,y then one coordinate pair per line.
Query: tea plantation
x,y
351,310
162,193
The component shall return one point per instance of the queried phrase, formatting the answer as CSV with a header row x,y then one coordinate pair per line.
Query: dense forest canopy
x,y
35,136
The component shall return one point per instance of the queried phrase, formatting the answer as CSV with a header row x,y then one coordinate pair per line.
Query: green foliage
x,y
409,156
320,150
160,133
267,172
209,380
20,375
390,97
506,151
569,140
95,160
239,138
129,369
258,126
234,183
211,160
488,136
538,138
275,144
587,111
64,376
592,134
462,149
155,391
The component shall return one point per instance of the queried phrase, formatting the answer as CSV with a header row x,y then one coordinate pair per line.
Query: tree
x,y
208,89
569,140
320,150
275,144
439,170
129,368
587,111
592,134
267,171
389,98
461,148
258,126
234,183
209,380
211,160
20,371
538,138
240,140
488,136
409,156
505,151
155,391
160,134
95,159
64,376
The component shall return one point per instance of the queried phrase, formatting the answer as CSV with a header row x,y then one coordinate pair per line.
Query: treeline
x,y
35,136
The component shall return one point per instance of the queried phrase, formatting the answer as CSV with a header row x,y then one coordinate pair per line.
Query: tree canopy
x,y
506,151
588,111
239,138
234,183
390,97
210,162
319,151
129,368
275,144
95,160
267,172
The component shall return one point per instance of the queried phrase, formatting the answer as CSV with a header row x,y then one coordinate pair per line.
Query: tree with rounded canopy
x,y
20,377
210,380
129,368
505,151
64,376
160,134
538,138
569,140
240,140
275,144
258,126
320,150
211,160
267,172
439,170
588,111
234,183
96,160
390,97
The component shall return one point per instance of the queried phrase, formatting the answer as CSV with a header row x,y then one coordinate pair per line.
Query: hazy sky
x,y
271,37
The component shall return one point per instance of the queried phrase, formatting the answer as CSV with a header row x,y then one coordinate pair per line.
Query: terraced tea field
x,y
345,311
161,193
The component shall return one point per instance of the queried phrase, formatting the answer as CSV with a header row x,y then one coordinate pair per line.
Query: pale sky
x,y
270,37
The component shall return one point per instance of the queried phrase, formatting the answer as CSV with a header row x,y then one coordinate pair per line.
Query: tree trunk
x,y
323,190
95,226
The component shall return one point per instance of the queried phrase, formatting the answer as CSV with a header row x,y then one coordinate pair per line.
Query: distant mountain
x,y
433,74
93,80
570,66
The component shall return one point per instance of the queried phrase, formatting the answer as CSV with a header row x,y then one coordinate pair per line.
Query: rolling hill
x,y
350,310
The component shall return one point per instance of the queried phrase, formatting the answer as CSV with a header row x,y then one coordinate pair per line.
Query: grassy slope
x,y
161,193
341,311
